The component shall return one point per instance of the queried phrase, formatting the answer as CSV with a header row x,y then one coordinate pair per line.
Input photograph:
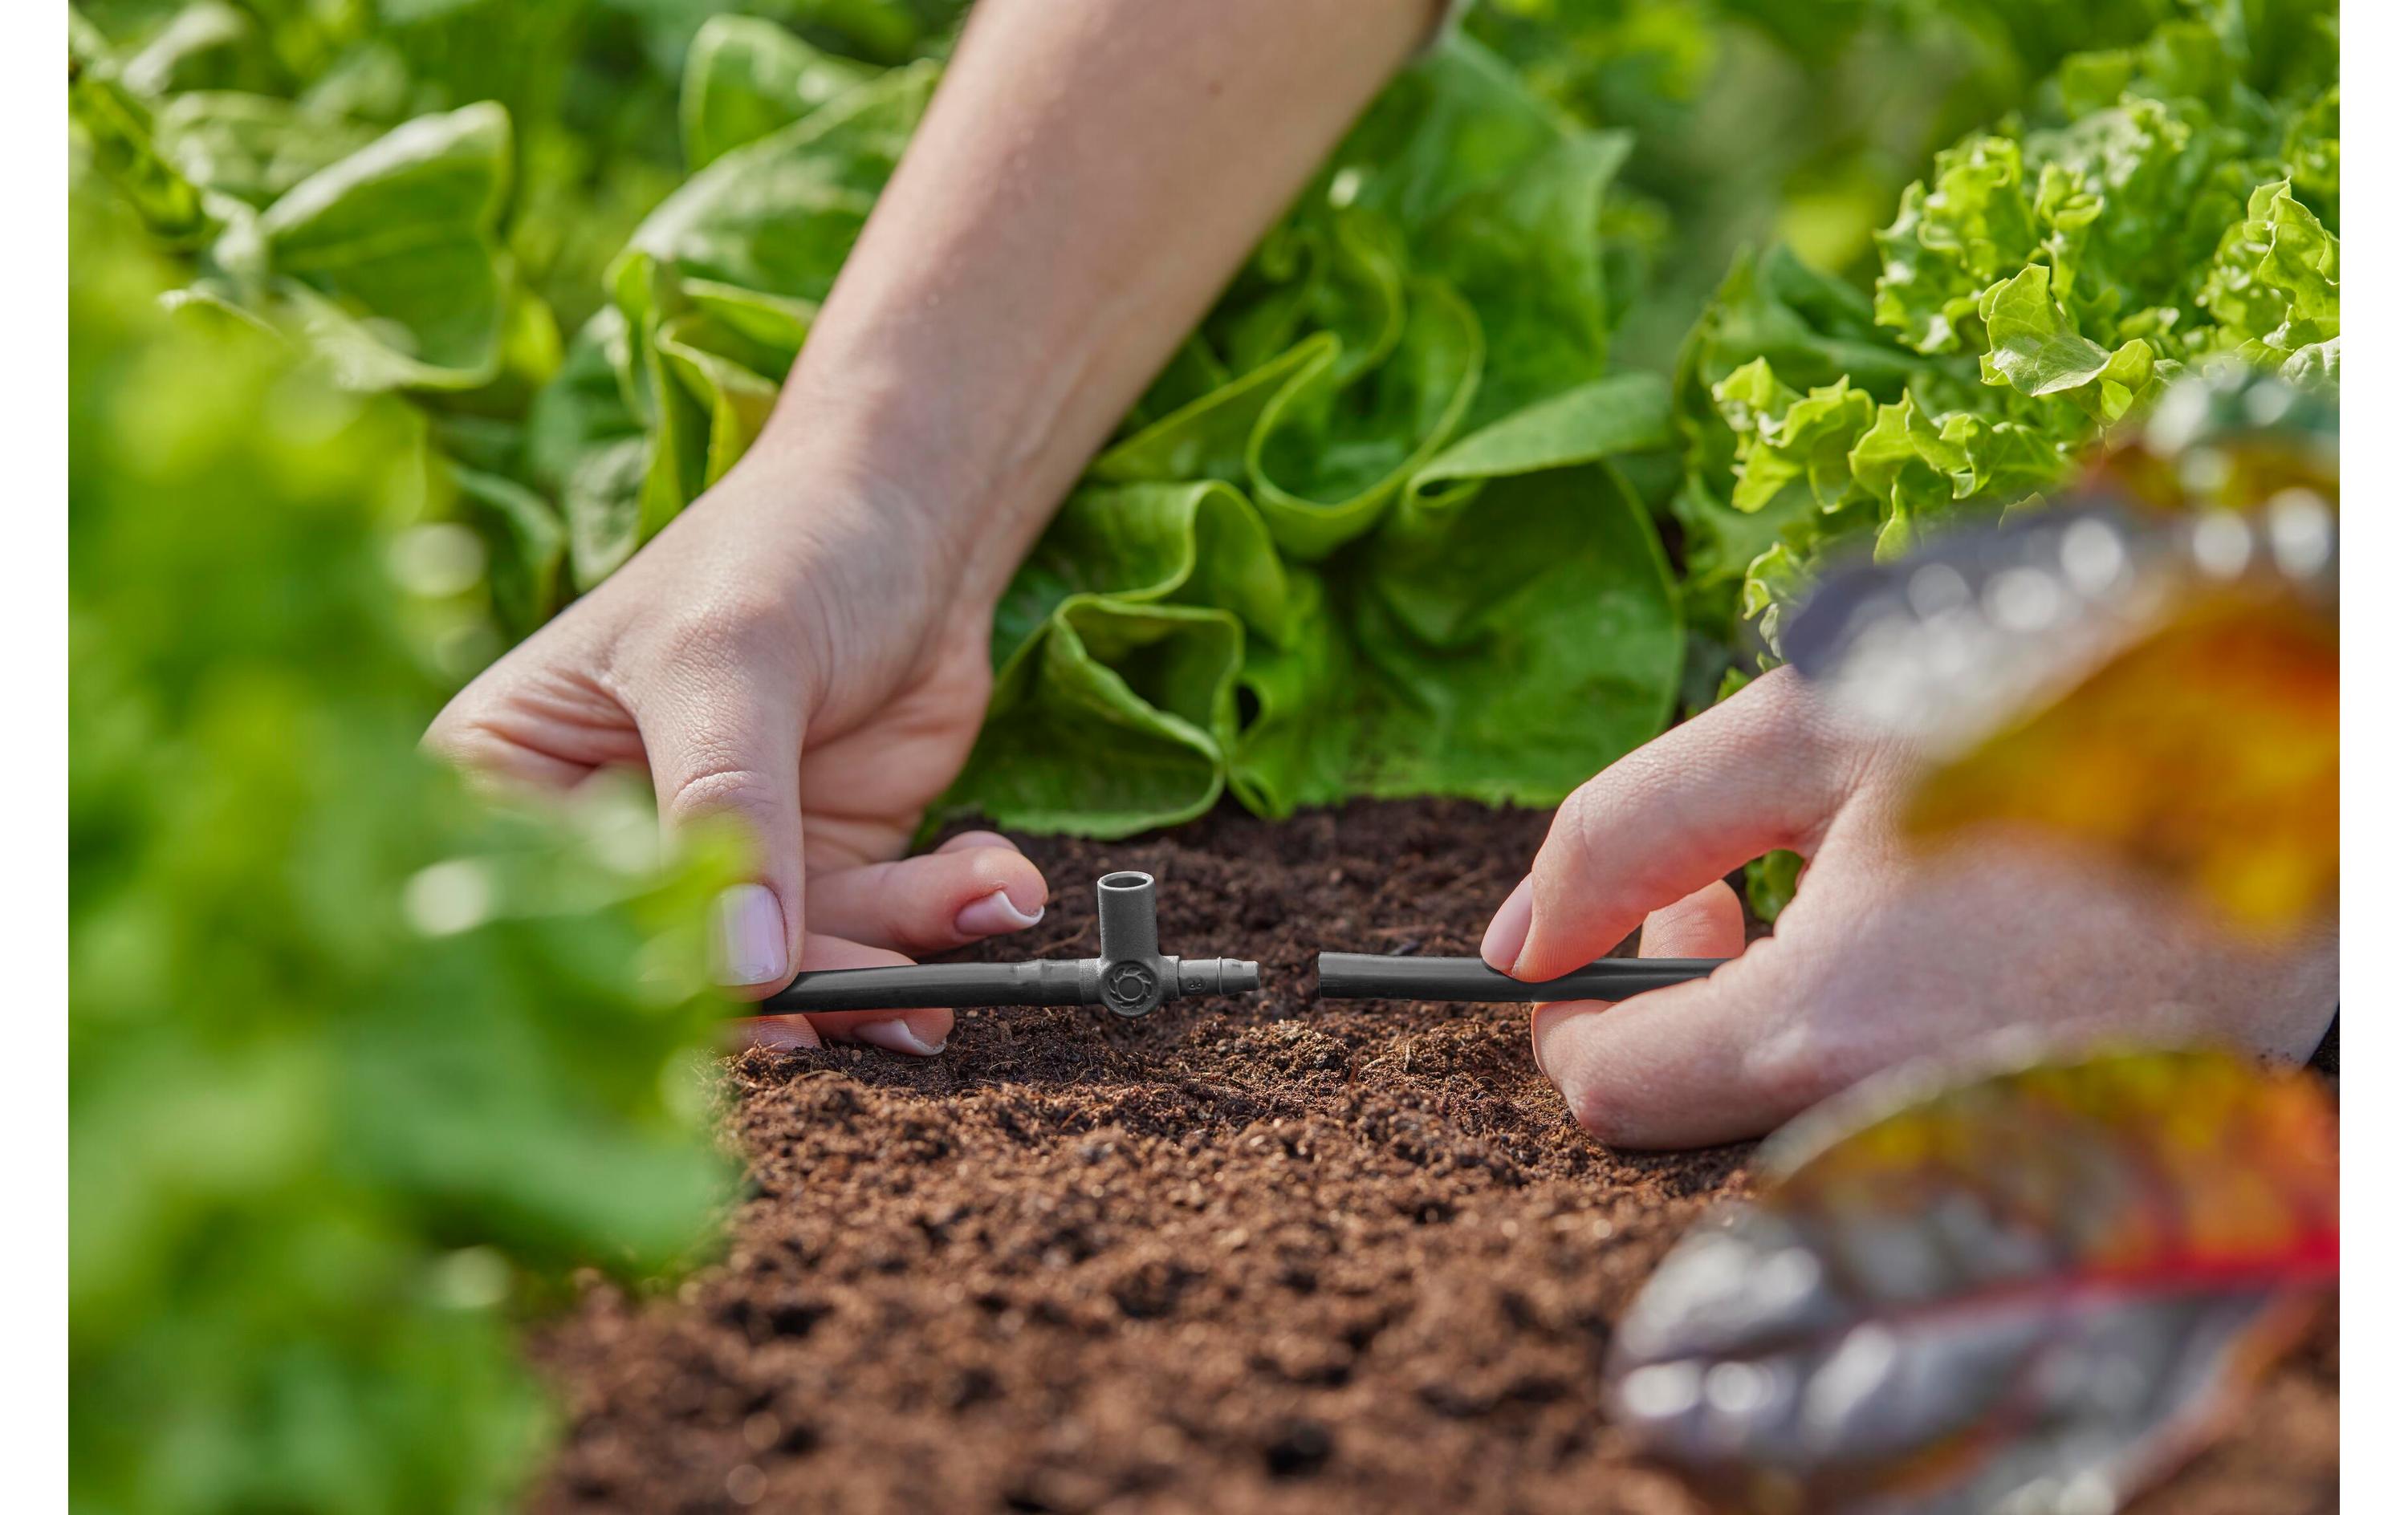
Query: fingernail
x,y
1502,946
992,915
751,935
897,1037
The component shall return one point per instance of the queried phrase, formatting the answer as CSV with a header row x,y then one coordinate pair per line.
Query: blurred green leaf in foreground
x,y
357,1062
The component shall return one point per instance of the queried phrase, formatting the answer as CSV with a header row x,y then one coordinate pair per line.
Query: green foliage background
x,y
1510,442
1474,477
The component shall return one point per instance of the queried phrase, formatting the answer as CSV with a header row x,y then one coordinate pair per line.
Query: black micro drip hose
x,y
1468,980
930,986
1130,977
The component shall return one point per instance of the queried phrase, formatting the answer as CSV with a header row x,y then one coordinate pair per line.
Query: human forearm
x,y
1090,174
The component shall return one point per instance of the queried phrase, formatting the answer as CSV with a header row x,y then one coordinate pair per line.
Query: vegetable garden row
x,y
1607,331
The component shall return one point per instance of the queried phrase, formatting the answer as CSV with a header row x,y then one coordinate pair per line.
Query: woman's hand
x,y
802,650
1886,953
806,647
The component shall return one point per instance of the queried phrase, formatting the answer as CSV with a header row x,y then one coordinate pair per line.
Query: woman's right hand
x,y
804,650
1890,951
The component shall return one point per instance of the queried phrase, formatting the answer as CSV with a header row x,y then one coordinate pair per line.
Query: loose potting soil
x,y
1270,1254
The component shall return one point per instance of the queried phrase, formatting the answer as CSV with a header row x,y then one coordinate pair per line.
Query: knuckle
x,y
1835,753
1781,690
1778,705
703,636
722,790
451,733
1587,809
716,633
1580,834
470,736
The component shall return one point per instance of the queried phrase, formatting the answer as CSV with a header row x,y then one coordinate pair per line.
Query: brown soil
x,y
1263,1256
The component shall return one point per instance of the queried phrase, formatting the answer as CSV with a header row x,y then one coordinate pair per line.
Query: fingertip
x,y
1006,870
995,914
1501,946
995,890
1570,1039
1560,935
1546,954
931,903
969,840
1546,1025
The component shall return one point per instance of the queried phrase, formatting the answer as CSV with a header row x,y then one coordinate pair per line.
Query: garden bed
x,y
1267,1255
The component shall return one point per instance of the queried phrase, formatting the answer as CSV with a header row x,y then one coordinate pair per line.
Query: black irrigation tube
x,y
1132,975
1468,980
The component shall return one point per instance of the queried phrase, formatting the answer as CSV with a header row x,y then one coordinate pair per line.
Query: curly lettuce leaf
x,y
1511,626
1119,716
2036,351
2043,285
2275,289
1970,227
1811,330
1793,438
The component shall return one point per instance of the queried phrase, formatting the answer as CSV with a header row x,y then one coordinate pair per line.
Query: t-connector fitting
x,y
1130,977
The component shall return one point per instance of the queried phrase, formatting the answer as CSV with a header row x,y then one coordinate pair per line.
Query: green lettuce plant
x,y
358,1064
1266,585
2037,286
1394,520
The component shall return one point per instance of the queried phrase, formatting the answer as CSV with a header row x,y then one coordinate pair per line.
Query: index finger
x,y
1764,769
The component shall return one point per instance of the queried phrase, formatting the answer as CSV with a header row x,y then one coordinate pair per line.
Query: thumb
x,y
1620,1078
734,751
1684,1066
